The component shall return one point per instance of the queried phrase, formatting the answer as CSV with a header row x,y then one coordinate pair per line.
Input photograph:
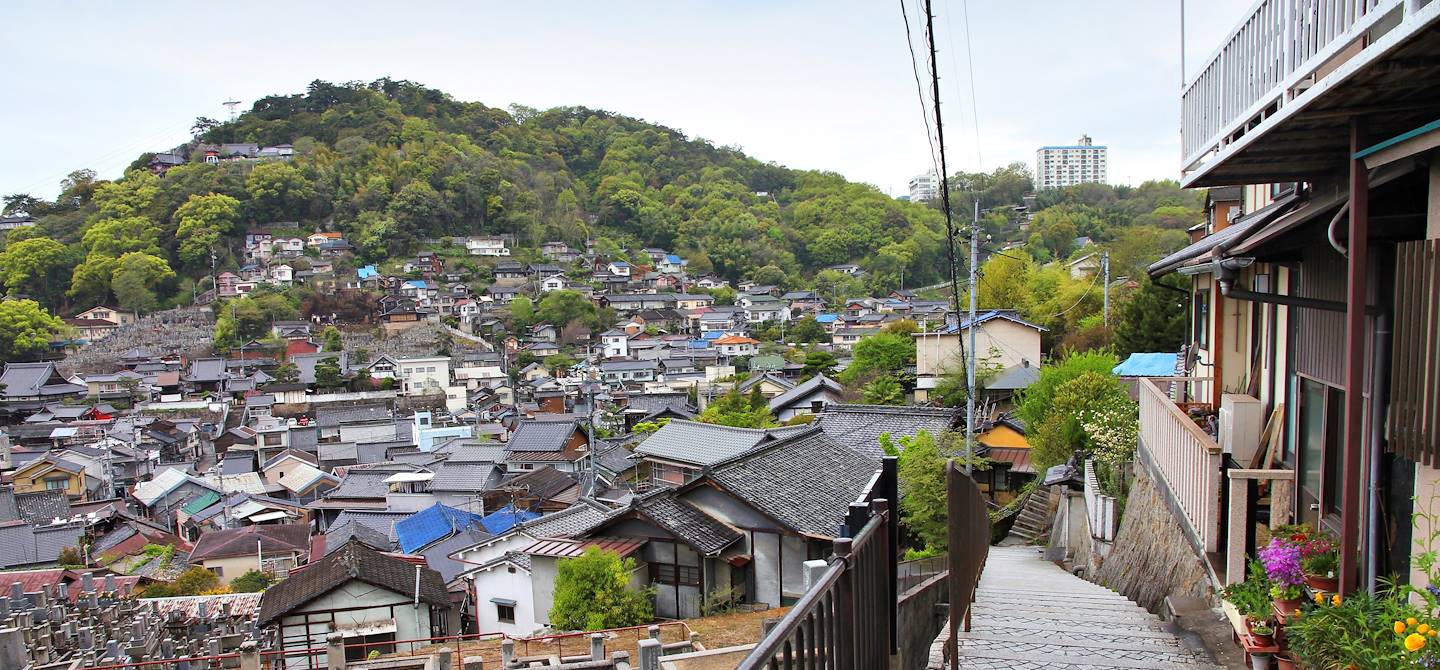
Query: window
x,y
1202,318
219,571
505,613
57,483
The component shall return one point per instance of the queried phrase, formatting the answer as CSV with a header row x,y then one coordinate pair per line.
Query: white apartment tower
x,y
925,187
1081,163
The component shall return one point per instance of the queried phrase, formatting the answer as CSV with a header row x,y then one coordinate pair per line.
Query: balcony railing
x,y
1278,51
1186,460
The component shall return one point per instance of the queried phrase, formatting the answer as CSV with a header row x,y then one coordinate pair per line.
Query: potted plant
x,y
1263,633
1251,598
1285,662
1320,560
1360,631
1287,578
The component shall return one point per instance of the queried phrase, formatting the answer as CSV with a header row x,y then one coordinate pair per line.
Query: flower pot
x,y
1284,662
1319,583
1286,606
1263,640
1260,661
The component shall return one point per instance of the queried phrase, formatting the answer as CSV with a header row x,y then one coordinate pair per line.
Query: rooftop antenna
x,y
231,104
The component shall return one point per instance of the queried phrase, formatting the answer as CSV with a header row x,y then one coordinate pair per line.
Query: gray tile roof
x,y
336,536
437,555
465,477
697,529
383,522
567,522
332,417
860,426
541,436
803,392
806,482
42,507
362,484
8,509
23,544
703,443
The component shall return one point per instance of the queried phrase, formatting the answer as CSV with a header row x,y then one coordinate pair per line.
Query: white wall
x,y
362,603
500,582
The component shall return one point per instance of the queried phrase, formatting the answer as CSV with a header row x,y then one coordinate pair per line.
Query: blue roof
x,y
1147,365
699,344
435,522
826,318
1008,315
672,258
712,335
367,272
505,518
417,283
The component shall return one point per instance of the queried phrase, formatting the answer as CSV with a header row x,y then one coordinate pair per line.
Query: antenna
x,y
231,104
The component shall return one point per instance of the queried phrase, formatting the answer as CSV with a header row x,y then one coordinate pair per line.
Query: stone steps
x,y
1031,614
1035,517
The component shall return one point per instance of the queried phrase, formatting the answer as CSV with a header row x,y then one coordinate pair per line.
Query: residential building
x,y
1065,166
423,375
232,552
925,187
1003,341
737,345
809,397
615,344
111,314
486,246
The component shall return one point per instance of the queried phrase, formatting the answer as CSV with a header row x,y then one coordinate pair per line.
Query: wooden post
x,y
845,607
1356,297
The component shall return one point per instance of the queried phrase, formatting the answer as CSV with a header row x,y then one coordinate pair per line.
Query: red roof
x,y
563,548
32,581
736,339
1019,459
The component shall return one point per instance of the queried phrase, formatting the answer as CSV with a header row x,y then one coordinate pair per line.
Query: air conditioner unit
x,y
1240,425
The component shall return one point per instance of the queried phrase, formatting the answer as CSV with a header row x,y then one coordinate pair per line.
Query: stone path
x,y
1029,613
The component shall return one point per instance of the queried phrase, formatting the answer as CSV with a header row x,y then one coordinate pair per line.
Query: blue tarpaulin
x,y
1147,365
433,523
505,518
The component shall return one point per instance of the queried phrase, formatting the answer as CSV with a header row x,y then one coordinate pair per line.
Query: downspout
x,y
1379,392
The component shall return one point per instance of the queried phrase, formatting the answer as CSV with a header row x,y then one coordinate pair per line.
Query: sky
x,y
825,84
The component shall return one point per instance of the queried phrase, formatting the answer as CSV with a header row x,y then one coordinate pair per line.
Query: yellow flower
x,y
1335,600
1411,621
1415,642
1399,627
1432,632
1423,628
1297,613
1319,597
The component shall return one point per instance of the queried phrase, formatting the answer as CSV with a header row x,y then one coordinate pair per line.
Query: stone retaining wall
x,y
921,618
1151,558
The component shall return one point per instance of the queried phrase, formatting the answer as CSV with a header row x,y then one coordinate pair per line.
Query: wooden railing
x,y
1099,507
1274,49
846,620
1187,461
969,539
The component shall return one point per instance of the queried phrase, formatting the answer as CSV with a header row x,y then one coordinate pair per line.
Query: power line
x,y
970,63
919,89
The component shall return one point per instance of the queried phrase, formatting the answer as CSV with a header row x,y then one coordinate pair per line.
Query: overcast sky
x,y
824,84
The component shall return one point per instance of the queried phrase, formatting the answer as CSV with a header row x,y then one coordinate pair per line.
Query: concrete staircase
x,y
1029,613
1036,516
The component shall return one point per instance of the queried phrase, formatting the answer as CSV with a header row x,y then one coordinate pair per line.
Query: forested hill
x,y
392,163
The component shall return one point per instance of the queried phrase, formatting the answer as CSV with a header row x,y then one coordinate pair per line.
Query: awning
x,y
503,601
1237,230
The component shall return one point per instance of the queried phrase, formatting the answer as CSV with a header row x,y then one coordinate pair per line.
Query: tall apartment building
x,y
924,187
1059,167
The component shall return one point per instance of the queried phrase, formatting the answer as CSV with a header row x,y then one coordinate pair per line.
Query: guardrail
x,y
1186,459
1278,45
1099,508
912,572
969,539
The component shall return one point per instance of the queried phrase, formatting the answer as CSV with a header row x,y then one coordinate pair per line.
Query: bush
x,y
253,581
592,593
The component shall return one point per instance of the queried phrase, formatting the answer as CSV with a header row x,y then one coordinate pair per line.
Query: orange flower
x,y
1415,642
1411,621
1423,628
1399,627
1319,598
1335,600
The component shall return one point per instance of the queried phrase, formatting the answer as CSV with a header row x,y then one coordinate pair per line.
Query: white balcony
x,y
1274,101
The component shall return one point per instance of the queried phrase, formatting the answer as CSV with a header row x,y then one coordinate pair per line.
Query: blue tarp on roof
x,y
417,283
1147,365
826,318
699,344
367,272
673,259
712,335
435,522
504,519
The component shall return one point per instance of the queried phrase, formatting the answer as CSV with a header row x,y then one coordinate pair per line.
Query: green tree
x,y
332,339
562,308
34,267
770,275
883,391
253,581
26,329
136,276
522,312
819,363
278,191
202,222
807,330
882,353
592,592
418,210
921,472
328,374
195,581
737,410
559,362
286,373
90,281
117,237
1152,318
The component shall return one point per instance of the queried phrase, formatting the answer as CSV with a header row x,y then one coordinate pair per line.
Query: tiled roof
x,y
435,522
437,555
332,417
242,541
23,544
543,483
700,443
565,548
464,476
541,436
697,529
380,521
42,507
567,522
860,426
802,393
806,482
362,484
353,561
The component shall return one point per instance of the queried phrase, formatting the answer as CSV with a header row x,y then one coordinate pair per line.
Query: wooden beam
x,y
1356,297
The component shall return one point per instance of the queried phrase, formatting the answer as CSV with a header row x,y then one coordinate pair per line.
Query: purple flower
x,y
1282,563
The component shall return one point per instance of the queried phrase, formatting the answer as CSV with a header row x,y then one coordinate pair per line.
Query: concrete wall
x,y
997,342
1151,557
920,619
499,582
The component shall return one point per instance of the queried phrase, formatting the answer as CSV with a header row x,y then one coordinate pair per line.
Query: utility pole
x,y
1105,263
970,365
